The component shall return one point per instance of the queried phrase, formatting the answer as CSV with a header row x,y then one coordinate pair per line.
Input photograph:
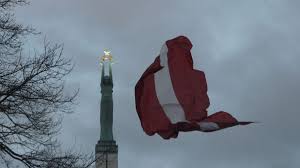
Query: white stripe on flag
x,y
208,126
165,92
166,95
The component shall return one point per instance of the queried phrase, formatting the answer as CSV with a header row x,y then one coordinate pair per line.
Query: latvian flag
x,y
171,96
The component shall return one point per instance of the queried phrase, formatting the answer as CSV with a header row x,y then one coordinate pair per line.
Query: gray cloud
x,y
248,50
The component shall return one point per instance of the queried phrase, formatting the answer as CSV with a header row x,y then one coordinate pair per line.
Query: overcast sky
x,y
249,51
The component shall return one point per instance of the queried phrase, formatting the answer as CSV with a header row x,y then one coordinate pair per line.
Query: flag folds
x,y
171,96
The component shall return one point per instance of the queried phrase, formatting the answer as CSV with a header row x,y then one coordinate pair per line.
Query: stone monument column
x,y
106,149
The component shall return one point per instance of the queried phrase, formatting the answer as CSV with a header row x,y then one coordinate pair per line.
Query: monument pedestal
x,y
106,154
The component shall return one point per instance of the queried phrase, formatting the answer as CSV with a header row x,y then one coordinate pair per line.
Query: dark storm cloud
x,y
248,50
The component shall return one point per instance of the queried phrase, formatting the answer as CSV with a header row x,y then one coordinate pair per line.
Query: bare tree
x,y
32,99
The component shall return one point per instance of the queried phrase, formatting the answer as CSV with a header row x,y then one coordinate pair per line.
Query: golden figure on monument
x,y
106,57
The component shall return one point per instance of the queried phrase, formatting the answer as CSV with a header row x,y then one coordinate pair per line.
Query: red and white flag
x,y
171,96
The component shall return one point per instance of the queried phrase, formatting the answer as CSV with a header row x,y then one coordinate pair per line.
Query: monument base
x,y
106,154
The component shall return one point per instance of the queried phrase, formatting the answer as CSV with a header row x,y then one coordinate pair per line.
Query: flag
x,y
171,96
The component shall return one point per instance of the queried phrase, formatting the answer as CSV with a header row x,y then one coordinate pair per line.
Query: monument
x,y
106,151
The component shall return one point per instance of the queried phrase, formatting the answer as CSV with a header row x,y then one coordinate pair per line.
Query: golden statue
x,y
107,56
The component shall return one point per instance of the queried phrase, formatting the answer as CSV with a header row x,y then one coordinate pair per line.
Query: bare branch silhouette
x,y
32,99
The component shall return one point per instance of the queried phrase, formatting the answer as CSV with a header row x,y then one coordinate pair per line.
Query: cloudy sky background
x,y
249,51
